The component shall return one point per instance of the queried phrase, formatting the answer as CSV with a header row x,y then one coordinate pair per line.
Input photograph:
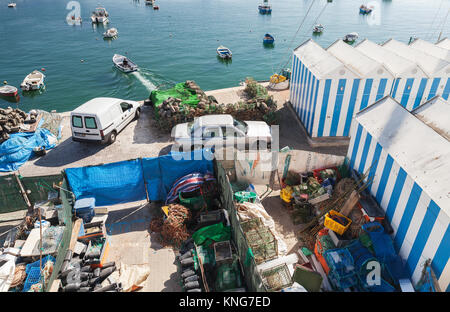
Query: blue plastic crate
x,y
36,263
340,261
342,283
33,277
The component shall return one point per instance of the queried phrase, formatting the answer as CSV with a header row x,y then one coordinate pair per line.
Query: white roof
x,y
320,62
436,114
357,61
96,105
444,43
215,120
431,49
399,132
430,64
398,65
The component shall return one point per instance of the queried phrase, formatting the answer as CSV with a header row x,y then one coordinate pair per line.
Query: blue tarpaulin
x,y
160,173
127,181
109,184
18,149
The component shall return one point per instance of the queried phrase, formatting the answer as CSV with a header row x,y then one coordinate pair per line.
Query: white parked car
x,y
101,119
222,130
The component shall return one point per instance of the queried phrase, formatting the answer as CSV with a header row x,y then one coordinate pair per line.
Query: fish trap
x,y
276,278
262,243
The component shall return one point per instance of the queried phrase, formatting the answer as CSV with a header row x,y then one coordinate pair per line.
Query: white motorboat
x,y
110,33
11,5
100,16
318,28
33,81
124,64
351,37
224,52
149,2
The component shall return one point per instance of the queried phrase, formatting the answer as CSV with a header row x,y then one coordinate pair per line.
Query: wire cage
x,y
276,278
263,244
251,224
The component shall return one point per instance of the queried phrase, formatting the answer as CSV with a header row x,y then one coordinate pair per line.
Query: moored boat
x,y
11,5
33,81
351,37
224,52
268,39
110,33
363,9
318,28
149,2
265,8
100,16
124,64
155,7
7,90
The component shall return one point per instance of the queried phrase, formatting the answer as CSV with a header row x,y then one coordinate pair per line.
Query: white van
x,y
101,119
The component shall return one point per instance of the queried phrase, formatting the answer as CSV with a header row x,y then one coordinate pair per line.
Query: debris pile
x,y
11,120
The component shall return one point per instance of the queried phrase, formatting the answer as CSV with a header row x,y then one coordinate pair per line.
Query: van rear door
x,y
85,127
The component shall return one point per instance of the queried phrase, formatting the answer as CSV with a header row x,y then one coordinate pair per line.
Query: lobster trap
x,y
262,242
276,278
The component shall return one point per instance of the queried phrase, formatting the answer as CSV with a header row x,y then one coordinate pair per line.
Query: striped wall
x,y
421,228
326,106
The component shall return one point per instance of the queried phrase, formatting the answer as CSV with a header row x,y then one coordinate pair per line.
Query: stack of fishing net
x,y
173,229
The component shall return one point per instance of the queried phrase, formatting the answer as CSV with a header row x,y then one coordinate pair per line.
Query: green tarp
x,y
212,233
180,91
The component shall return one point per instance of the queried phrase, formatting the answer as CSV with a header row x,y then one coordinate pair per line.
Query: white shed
x,y
408,164
322,91
411,78
437,69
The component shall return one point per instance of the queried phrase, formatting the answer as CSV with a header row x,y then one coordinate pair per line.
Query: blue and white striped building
x,y
410,79
321,87
409,163
375,80
328,87
437,69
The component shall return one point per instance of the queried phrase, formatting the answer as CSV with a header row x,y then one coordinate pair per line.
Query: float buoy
x,y
43,69
5,82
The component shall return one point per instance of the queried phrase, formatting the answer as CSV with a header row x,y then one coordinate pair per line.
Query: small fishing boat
x,y
149,2
224,52
155,7
7,90
363,9
124,63
11,5
318,28
33,81
110,33
351,37
100,16
265,8
268,39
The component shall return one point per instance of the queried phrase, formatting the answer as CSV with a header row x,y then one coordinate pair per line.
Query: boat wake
x,y
145,82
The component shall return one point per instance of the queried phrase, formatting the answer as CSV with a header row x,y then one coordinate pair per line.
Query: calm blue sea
x,y
178,42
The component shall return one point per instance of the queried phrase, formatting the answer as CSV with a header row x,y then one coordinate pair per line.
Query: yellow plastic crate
x,y
335,226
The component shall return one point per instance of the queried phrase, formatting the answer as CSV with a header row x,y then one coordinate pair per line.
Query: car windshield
x,y
241,125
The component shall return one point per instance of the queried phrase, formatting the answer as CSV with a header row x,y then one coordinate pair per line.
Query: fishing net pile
x,y
173,229
186,101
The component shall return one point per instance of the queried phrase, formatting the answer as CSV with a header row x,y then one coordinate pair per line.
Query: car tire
x,y
112,137
137,114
